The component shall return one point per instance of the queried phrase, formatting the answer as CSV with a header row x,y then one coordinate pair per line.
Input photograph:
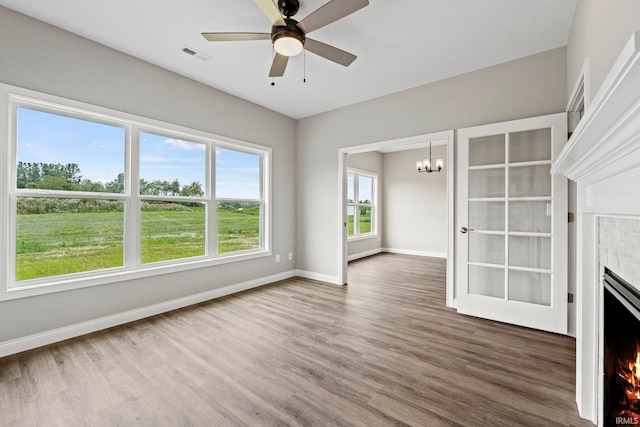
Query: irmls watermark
x,y
627,421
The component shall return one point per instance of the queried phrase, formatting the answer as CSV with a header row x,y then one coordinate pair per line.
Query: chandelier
x,y
425,165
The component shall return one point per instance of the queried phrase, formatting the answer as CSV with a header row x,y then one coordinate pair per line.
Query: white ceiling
x,y
400,44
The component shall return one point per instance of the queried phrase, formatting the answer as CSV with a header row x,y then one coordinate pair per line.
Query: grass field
x,y
364,224
51,244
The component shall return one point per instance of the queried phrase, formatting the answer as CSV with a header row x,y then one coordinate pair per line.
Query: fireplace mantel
x,y
603,157
603,153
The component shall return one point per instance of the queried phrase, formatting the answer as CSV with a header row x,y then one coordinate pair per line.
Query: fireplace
x,y
621,352
602,157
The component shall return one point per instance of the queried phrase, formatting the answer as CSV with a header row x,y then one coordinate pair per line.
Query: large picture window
x,y
93,194
361,203
66,222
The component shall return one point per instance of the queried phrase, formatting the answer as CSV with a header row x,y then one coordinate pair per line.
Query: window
x,y
239,203
172,179
361,203
93,194
69,208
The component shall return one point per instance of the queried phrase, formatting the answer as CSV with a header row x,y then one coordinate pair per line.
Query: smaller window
x,y
361,203
239,199
171,171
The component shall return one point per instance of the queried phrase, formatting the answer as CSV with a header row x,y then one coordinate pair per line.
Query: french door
x,y
511,257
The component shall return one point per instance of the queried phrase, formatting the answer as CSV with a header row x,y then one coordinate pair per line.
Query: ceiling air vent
x,y
192,52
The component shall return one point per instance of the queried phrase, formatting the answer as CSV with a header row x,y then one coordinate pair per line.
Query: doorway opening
x,y
438,141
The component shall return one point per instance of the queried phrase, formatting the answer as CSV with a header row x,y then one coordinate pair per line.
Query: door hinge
x,y
571,217
570,298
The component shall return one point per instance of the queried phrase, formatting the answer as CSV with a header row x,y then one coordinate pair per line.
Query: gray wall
x,y
370,162
414,204
527,87
600,30
40,57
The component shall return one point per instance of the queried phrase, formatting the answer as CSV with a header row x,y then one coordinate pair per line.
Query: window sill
x,y
362,237
29,288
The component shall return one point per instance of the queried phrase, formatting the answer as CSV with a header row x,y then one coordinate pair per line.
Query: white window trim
x,y
374,204
580,98
12,96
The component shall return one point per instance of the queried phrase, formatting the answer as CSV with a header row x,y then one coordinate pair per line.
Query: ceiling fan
x,y
289,37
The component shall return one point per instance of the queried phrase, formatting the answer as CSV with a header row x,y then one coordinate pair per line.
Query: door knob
x,y
464,230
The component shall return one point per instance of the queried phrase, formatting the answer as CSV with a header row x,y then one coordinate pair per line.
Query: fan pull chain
x,y
304,66
273,52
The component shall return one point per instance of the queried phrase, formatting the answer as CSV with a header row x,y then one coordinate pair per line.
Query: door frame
x,y
407,143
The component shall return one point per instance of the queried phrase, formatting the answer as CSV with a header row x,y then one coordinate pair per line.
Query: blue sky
x,y
99,150
166,159
237,174
48,138
365,187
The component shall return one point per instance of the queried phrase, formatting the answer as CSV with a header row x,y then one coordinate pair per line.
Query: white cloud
x,y
184,145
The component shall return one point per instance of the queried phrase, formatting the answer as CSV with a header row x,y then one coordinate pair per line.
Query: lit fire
x,y
629,379
636,372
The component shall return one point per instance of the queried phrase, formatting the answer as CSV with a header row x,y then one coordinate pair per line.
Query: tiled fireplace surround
x,y
619,246
603,158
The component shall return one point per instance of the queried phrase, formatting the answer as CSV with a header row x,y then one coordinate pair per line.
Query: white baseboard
x,y
60,334
364,254
396,251
49,337
333,280
417,253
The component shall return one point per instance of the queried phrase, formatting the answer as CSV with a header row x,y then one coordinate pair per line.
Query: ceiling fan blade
x,y
329,52
271,11
278,66
231,37
330,12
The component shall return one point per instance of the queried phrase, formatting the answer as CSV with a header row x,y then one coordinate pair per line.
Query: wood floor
x,y
382,351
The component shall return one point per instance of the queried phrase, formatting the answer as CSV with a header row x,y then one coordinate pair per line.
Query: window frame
x,y
12,98
135,252
216,199
357,204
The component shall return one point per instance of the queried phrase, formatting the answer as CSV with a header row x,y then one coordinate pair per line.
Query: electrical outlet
x,y
290,256
278,258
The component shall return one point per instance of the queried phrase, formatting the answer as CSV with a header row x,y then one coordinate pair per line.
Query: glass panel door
x,y
511,212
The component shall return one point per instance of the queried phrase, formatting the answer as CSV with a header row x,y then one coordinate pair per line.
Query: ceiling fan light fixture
x,y
288,36
288,43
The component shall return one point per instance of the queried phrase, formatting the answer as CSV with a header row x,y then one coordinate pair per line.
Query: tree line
x,y
56,176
